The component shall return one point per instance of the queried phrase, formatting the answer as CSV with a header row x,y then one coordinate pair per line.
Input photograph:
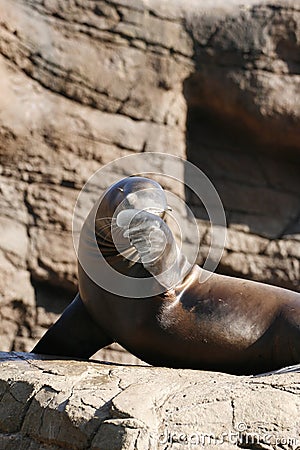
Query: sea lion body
x,y
223,323
246,330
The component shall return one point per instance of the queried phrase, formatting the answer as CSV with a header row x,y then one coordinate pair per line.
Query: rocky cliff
x,y
85,82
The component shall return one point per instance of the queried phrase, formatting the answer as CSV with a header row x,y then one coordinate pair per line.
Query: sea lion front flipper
x,y
74,334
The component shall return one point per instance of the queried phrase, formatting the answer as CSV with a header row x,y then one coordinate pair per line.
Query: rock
x,y
67,404
84,83
247,55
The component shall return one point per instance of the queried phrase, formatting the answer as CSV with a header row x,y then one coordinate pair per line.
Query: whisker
x,y
106,218
106,230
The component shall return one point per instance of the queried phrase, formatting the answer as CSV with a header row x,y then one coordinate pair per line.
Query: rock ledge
x,y
55,403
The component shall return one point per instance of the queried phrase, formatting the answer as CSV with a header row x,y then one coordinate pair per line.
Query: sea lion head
x,y
134,192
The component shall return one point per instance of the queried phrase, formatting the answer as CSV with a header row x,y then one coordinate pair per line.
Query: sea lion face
x,y
137,193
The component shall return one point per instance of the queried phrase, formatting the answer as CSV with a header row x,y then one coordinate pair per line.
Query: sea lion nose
x,y
124,217
132,199
149,199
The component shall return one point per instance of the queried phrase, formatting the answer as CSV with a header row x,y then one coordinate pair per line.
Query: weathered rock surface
x,y
53,404
85,82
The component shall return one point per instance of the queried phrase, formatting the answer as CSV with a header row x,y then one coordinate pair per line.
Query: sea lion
x,y
222,323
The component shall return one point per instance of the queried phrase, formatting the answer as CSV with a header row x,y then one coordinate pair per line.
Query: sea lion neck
x,y
191,277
